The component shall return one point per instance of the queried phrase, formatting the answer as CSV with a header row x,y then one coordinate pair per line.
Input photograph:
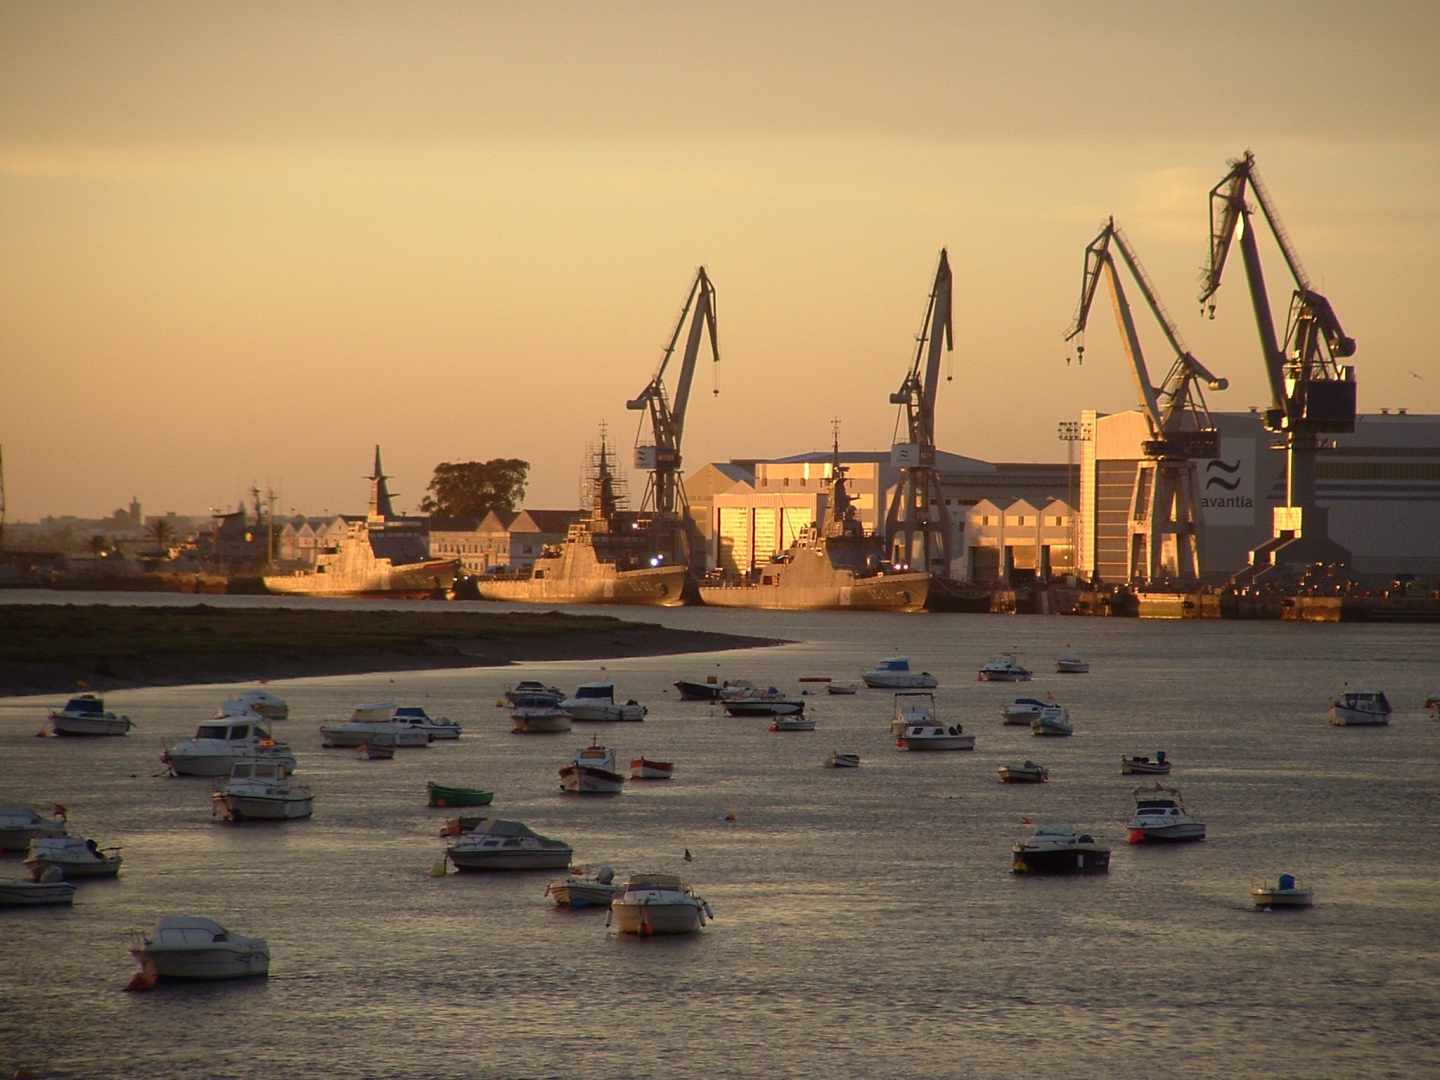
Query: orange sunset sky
x,y
245,242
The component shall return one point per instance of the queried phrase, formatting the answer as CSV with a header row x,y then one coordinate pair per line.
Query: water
x,y
866,920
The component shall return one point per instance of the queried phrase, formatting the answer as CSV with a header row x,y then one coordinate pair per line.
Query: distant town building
x,y
501,541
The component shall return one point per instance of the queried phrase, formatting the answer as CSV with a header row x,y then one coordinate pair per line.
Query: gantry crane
x,y
1311,392
665,488
1164,522
918,504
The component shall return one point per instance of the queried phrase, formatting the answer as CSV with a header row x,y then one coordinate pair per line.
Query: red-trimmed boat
x,y
642,768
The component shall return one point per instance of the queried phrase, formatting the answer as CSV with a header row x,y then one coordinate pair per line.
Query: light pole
x,y
1070,432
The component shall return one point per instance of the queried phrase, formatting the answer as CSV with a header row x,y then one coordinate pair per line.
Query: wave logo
x,y
1220,481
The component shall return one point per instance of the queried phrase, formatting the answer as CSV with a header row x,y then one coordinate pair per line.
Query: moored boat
x,y
1058,849
50,889
1070,664
1139,765
497,844
1029,772
584,888
596,701
537,715
532,691
1003,668
1023,711
369,721
934,736
769,702
85,714
416,718
1160,816
912,708
1053,720
221,743
21,824
1285,892
651,904
643,768
442,795
72,856
839,760
194,947
893,673
793,722
842,688
263,791
592,772
1360,708
710,690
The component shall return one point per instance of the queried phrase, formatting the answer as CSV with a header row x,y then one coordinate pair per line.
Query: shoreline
x,y
60,649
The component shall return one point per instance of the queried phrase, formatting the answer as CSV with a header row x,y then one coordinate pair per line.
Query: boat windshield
x,y
87,705
596,690
211,731
895,663
410,712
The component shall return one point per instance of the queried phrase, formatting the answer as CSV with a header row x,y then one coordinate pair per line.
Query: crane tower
x,y
1164,518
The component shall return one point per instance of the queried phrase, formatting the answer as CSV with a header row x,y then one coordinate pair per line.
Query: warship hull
x,y
654,587
809,583
416,580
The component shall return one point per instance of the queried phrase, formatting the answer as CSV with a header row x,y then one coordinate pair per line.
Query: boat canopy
x,y
603,690
372,712
894,663
409,711
188,930
85,704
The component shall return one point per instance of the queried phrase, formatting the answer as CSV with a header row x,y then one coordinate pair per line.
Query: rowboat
x,y
440,795
642,768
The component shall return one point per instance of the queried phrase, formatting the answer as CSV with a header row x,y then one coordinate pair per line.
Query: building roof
x,y
544,521
446,523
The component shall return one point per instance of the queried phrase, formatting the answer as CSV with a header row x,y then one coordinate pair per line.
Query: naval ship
x,y
383,555
832,566
608,557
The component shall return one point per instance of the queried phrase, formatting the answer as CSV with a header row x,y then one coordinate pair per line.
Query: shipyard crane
x,y
665,489
918,504
1311,392
1164,531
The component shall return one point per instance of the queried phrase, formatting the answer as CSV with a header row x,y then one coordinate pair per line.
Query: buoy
x,y
144,979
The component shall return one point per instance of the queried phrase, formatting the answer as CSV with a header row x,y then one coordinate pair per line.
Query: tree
x,y
474,488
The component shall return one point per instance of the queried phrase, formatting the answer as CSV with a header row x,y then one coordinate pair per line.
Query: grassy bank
x,y
48,648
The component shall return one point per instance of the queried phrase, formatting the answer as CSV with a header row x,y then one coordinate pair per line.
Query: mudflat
x,y
49,648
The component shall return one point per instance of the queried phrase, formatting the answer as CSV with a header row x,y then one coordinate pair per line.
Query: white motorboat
x,y
52,888
262,790
194,947
435,727
912,708
72,856
1053,720
1029,772
219,744
584,888
532,691
643,768
1160,816
1140,765
893,673
793,722
651,904
1023,711
932,736
1070,664
21,824
261,702
769,702
538,715
1058,849
596,701
838,760
842,688
86,715
368,721
1003,669
1283,893
1360,708
592,772
496,844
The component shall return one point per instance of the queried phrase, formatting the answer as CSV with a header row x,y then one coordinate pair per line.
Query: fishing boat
x,y
21,824
1139,765
1053,720
194,947
441,795
1029,772
838,760
263,791
221,743
592,772
651,904
72,856
893,673
86,715
497,844
1058,849
1360,708
1282,893
1161,817
1003,669
934,736
584,888
643,768
793,722
596,701
50,889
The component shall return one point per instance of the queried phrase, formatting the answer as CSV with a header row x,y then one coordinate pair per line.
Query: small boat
x,y
838,760
769,702
1160,816
531,690
1138,765
1360,708
842,688
86,715
1284,893
72,856
368,721
193,947
710,690
1070,664
935,737
584,888
221,743
1058,849
596,701
592,772
378,748
1053,720
52,888
497,844
261,702
263,791
1028,773
538,715
893,673
1003,669
1024,711
793,722
435,727
440,795
912,708
642,768
651,904
21,824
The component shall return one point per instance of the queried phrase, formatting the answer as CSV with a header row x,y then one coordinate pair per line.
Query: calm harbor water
x,y
866,920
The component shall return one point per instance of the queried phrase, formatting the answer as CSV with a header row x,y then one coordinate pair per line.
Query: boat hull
x,y
476,861
1062,861
1004,676
648,920
448,796
1340,716
1014,774
899,681
592,583
89,726
838,590
935,742
1166,834
1134,767
691,691
102,868
1281,898
838,760
641,769
213,962
35,893
344,736
793,723
540,725
586,780
211,765
764,708
577,895
267,807
369,577
604,713
19,839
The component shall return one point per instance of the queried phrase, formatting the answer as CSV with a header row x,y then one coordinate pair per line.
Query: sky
x,y
245,243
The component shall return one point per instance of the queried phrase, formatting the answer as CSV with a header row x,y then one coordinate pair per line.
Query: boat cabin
x,y
411,714
894,663
371,714
914,707
1365,701
595,691
258,770
85,705
231,729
